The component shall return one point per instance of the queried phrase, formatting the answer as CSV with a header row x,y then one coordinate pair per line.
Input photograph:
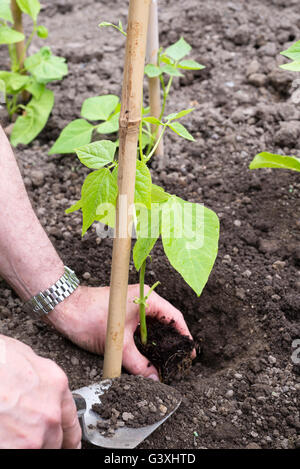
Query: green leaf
x,y
42,32
99,107
110,126
99,189
292,52
35,88
180,130
105,24
119,27
270,160
153,70
171,70
166,60
31,7
5,11
152,120
190,234
158,194
178,50
190,65
74,207
46,67
143,185
14,82
148,231
178,115
10,36
292,66
97,154
74,135
32,122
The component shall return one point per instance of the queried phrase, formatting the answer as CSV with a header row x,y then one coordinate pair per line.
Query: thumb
x,y
136,363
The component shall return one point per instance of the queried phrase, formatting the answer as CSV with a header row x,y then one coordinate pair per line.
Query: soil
x,y
167,349
243,389
134,401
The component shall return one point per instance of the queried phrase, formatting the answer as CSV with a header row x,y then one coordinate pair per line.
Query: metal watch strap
x,y
45,301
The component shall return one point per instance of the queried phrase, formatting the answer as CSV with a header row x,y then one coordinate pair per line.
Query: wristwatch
x,y
45,301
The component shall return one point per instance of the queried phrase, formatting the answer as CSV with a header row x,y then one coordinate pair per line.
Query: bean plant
x,y
271,160
189,231
171,63
28,75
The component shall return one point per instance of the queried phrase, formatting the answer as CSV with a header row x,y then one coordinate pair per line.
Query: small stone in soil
x,y
127,416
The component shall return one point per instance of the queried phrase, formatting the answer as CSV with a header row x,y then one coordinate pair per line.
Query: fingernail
x,y
79,446
154,377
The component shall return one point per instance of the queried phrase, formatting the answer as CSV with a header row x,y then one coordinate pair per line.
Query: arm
x,y
28,260
36,406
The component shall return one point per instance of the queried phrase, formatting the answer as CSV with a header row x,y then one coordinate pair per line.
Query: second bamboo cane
x,y
154,82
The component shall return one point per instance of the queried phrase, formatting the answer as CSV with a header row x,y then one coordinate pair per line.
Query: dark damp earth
x,y
243,388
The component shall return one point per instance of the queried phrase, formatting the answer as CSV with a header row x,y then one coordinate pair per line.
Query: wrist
x,y
45,301
60,316
33,276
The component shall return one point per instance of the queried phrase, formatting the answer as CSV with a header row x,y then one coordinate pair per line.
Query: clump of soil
x,y
167,349
134,401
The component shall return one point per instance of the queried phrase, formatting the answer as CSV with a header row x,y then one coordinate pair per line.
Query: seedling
x,y
107,108
79,132
189,231
29,76
271,160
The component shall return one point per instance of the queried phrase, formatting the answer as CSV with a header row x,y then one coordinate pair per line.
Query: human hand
x,y
82,317
37,410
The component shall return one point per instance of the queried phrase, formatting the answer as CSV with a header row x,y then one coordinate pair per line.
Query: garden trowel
x,y
124,437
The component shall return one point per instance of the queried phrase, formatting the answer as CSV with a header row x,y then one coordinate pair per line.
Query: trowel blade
x,y
124,437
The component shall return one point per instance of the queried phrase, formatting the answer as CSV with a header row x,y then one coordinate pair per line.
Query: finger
x,y
70,424
135,362
54,439
163,310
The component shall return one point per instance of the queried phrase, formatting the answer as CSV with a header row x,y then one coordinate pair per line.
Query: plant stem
x,y
29,41
142,302
140,142
156,144
12,56
166,90
146,132
13,106
118,28
140,133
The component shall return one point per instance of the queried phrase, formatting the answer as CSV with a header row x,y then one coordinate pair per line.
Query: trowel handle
x,y
81,408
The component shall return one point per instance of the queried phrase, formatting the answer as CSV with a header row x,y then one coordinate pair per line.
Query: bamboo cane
x,y
18,26
154,83
130,118
20,46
